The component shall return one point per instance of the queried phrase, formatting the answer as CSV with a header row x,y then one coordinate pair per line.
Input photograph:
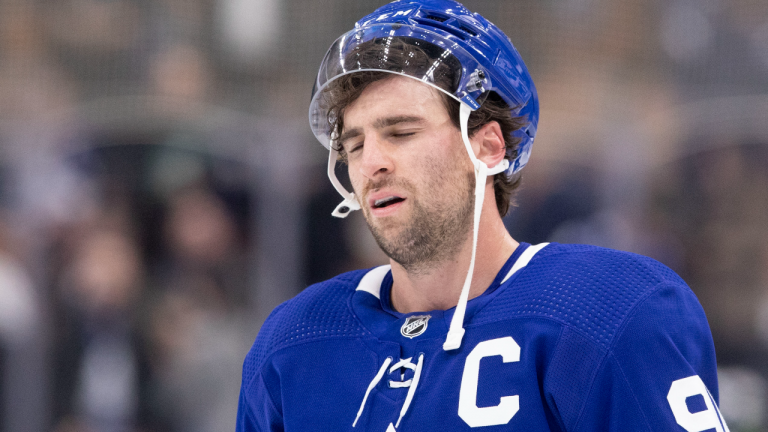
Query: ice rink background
x,y
161,192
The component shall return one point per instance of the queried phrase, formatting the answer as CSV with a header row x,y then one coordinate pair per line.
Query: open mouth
x,y
386,202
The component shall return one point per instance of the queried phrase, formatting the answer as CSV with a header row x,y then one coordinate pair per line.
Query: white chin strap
x,y
350,201
456,331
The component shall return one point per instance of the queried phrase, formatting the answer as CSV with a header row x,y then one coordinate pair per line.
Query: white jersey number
x,y
708,419
502,413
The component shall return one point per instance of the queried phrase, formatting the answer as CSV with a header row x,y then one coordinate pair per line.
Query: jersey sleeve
x,y
256,412
257,409
660,372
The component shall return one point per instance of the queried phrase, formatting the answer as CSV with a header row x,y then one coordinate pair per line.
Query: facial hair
x,y
436,228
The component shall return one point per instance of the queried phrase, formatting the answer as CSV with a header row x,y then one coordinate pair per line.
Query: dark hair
x,y
404,55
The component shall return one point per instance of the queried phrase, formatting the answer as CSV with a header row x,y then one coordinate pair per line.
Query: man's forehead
x,y
403,86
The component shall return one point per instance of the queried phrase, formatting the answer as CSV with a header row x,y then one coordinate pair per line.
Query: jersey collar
x,y
371,301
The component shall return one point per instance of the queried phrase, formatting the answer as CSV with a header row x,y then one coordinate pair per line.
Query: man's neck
x,y
439,286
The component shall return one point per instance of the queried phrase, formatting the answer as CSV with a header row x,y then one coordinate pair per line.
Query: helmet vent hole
x,y
435,17
468,30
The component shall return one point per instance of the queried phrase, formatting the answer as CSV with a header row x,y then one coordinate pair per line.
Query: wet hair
x,y
410,56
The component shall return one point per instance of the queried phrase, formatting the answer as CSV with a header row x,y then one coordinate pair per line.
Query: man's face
x,y
410,171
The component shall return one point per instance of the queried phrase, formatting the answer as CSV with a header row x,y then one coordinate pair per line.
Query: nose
x,y
375,161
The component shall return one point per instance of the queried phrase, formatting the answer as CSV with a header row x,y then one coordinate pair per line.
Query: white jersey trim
x,y
524,259
371,282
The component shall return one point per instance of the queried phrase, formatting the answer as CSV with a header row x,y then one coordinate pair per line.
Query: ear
x,y
488,144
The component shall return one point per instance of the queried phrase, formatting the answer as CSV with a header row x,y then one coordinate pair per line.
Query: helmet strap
x,y
456,330
350,201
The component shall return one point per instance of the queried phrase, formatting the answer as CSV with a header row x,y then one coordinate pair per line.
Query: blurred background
x,y
161,192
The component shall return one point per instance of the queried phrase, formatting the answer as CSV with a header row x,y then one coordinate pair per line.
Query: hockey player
x,y
434,114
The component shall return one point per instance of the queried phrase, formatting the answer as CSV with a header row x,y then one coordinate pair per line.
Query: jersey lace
x,y
411,384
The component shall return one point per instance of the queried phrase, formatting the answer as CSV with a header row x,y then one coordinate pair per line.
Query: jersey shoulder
x,y
591,289
321,311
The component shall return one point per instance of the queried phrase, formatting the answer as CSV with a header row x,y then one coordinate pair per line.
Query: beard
x,y
435,230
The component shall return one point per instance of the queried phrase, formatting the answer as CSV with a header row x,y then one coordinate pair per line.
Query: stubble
x,y
437,227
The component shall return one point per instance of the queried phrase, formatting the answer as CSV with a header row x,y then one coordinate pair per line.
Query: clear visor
x,y
398,49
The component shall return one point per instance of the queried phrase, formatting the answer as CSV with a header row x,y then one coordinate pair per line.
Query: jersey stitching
x,y
267,342
604,352
319,339
602,363
351,310
283,344
606,358
249,412
637,402
269,395
559,416
637,259
661,282
544,318
604,355
508,283
633,310
608,353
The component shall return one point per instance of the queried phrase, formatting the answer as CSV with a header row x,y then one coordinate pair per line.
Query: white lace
x,y
456,330
411,384
350,202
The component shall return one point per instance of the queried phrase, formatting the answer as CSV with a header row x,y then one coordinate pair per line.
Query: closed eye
x,y
352,146
399,134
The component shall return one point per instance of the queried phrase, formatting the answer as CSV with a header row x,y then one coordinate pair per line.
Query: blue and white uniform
x,y
566,338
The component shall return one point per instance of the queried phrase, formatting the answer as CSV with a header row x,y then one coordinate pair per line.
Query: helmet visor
x,y
398,49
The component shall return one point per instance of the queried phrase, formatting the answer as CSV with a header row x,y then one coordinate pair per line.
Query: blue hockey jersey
x,y
566,338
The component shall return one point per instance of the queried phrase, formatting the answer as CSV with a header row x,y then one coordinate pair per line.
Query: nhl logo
x,y
415,325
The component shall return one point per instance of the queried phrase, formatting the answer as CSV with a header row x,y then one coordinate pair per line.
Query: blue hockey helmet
x,y
483,57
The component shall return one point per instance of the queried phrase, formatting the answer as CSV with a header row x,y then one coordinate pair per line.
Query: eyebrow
x,y
380,124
